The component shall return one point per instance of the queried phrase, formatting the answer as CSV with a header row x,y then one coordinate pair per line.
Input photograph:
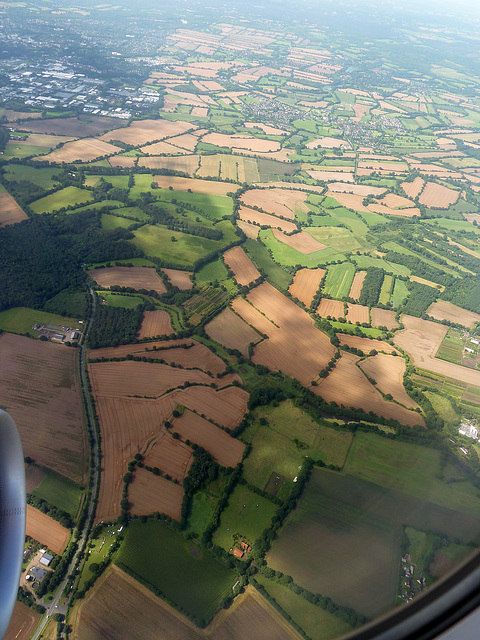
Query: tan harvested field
x,y
357,285
265,219
241,142
348,386
383,318
301,241
231,331
357,313
269,130
122,161
226,450
435,170
443,310
33,477
393,201
250,230
14,116
427,283
349,200
421,340
134,277
77,127
120,608
465,249
332,308
225,407
471,217
405,213
244,271
279,202
169,455
23,622
149,493
155,323
40,389
356,189
209,187
328,143
84,150
202,112
186,141
46,530
10,211
44,140
412,189
436,195
294,345
387,371
305,284
326,176
365,344
160,148
140,132
288,185
187,164
253,317
180,279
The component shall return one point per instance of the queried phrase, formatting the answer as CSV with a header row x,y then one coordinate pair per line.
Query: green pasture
x,y
41,177
290,257
346,327
400,292
386,290
114,222
156,241
339,279
15,150
274,272
22,320
120,300
337,238
62,198
364,262
59,493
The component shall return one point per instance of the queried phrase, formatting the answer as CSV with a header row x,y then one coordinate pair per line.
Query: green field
x,y
130,212
317,623
364,262
410,469
400,292
339,280
213,207
22,320
41,177
15,150
442,406
213,272
121,300
97,550
245,517
274,272
190,577
451,348
113,222
346,327
290,257
157,241
59,493
386,290
338,238
60,199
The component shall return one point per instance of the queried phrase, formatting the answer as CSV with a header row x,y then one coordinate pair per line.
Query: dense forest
x,y
113,326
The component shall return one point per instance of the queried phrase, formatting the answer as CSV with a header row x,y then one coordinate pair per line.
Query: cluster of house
x,y
37,573
467,428
409,581
56,332
243,550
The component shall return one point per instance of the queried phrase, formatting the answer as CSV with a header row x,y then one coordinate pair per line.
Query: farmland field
x,y
435,195
84,150
155,323
10,211
180,279
171,456
301,241
357,313
231,331
357,285
46,530
388,372
365,344
22,320
332,308
339,280
40,389
279,202
157,242
134,277
120,607
209,187
149,493
244,271
186,574
265,219
305,284
443,310
60,199
23,622
58,492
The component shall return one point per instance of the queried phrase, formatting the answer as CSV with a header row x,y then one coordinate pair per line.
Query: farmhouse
x,y
38,573
238,553
46,559
468,429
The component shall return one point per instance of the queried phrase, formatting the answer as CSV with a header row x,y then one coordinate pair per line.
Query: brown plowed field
x,y
265,219
231,331
305,284
155,323
33,477
225,407
241,142
302,241
356,189
209,187
294,345
134,277
365,344
421,339
140,132
383,318
169,455
332,308
23,622
186,164
412,189
436,195
126,425
253,317
357,285
244,271
180,279
120,608
10,211
40,389
149,493
443,310
348,386
129,378
226,450
279,202
46,530
84,150
196,356
250,230
78,127
388,372
160,148
357,313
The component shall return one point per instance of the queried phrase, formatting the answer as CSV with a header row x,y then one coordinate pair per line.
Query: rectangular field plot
x,y
23,622
59,493
343,540
244,518
157,241
46,530
339,280
231,331
305,284
187,575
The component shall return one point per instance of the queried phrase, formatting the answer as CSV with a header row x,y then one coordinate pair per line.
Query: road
x,y
54,606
